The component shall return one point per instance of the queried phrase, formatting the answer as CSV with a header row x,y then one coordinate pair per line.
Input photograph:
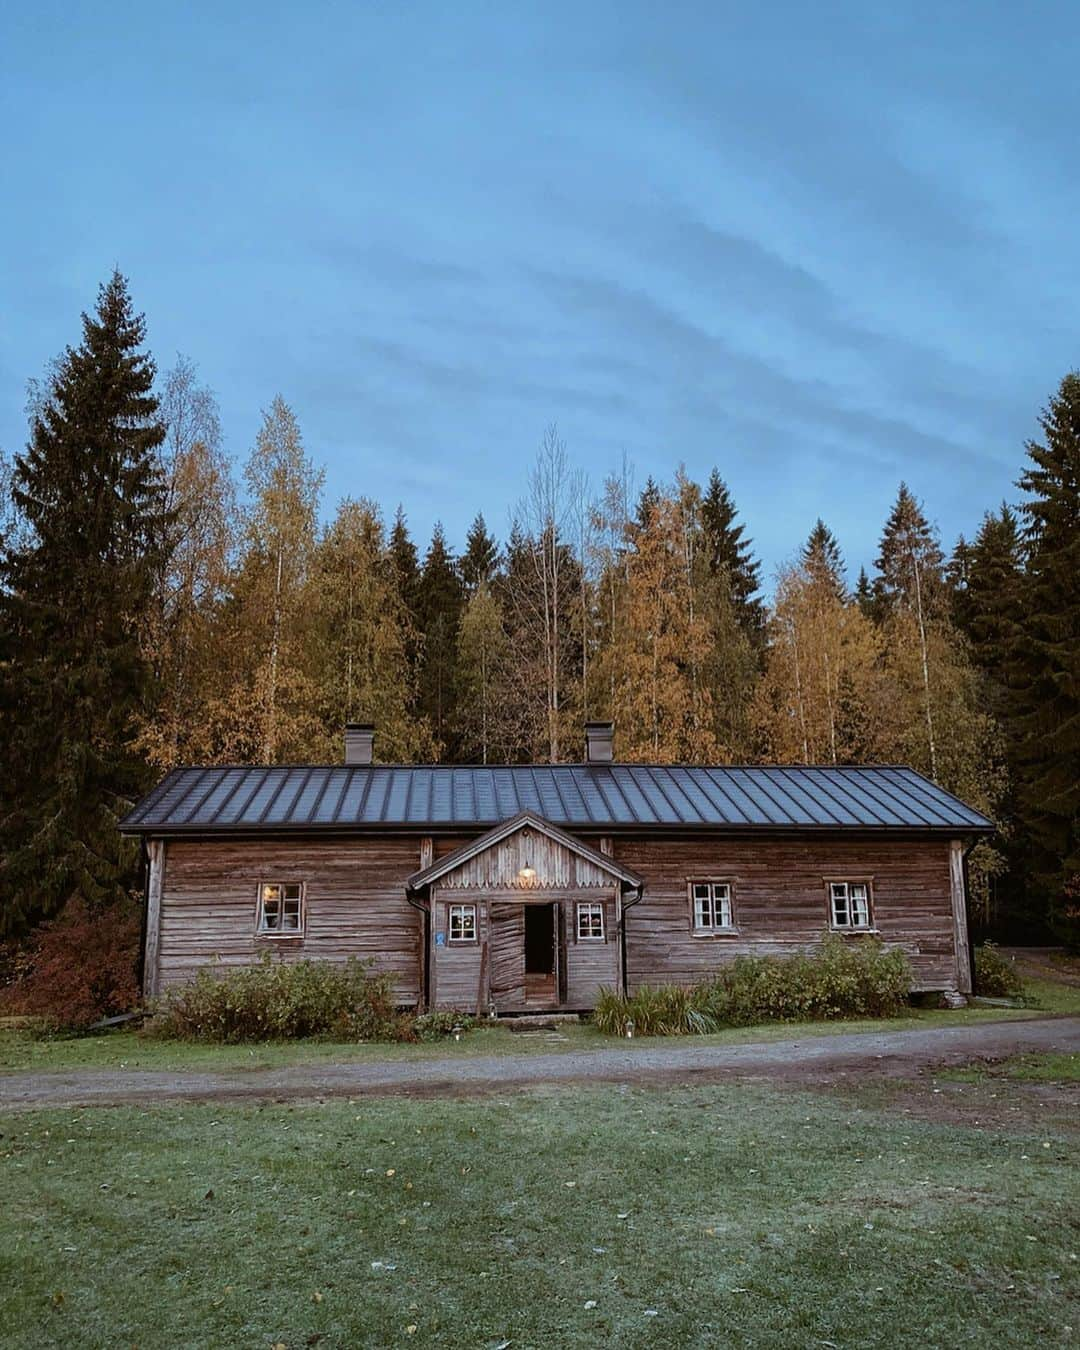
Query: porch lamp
x,y
527,874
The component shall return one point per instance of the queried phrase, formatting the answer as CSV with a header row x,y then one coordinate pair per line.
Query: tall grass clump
x,y
995,974
844,977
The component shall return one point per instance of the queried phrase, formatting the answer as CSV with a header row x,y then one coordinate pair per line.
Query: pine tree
x,y
74,599
864,595
1045,666
823,561
648,501
404,558
987,608
440,597
481,556
911,581
729,555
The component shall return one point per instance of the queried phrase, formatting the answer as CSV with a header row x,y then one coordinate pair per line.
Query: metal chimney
x,y
359,742
598,742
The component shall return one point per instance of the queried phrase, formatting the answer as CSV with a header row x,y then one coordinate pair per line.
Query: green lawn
x,y
736,1214
1049,1068
22,1050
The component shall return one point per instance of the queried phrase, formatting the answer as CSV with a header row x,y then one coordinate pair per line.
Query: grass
x,y
1049,1068
23,1050
737,1214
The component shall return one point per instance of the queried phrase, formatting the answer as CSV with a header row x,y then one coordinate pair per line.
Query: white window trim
x,y
713,929
278,934
870,926
590,906
461,941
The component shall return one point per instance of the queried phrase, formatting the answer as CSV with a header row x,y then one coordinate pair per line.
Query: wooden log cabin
x,y
529,887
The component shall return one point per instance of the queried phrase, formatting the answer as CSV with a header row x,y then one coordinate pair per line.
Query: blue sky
x,y
823,247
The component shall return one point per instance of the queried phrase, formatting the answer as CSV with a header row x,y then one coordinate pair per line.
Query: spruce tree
x,y
822,559
74,597
404,558
729,554
1045,667
648,501
910,563
988,607
481,556
440,598
864,595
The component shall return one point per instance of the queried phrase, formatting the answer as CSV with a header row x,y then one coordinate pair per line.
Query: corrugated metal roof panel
x,y
600,795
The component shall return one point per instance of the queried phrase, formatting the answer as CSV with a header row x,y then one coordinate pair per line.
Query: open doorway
x,y
540,953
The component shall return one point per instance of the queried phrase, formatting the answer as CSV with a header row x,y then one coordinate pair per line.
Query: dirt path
x,y
880,1054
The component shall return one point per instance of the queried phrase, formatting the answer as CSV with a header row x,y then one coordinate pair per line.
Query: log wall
x,y
354,899
781,902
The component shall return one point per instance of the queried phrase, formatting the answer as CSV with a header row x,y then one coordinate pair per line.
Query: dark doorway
x,y
539,939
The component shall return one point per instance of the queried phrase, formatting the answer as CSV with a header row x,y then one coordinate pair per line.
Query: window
x,y
711,901
462,923
281,909
850,904
590,923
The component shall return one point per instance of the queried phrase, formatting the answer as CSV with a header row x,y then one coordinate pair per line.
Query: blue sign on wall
x,y
440,939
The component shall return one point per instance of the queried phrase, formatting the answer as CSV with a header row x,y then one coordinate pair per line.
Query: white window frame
x,y
466,924
845,894
289,894
712,906
592,911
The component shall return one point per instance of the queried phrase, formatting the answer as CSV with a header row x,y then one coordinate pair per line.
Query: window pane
x,y
462,923
840,910
590,921
839,890
290,914
271,913
271,892
702,913
860,906
723,906
701,891
291,892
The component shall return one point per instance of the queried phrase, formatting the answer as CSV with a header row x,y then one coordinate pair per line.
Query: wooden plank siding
x,y
354,902
781,902
202,897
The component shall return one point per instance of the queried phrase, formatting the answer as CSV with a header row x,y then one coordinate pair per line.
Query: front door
x,y
541,955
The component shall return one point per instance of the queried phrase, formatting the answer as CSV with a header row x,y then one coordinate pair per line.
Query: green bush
x,y
995,975
845,977
277,1000
440,1023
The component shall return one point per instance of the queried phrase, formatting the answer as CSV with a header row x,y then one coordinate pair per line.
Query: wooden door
x,y
507,956
561,970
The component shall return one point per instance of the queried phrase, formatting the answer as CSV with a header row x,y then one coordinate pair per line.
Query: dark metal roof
x,y
601,796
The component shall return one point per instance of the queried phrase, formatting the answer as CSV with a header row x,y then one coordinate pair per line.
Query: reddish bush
x,y
79,967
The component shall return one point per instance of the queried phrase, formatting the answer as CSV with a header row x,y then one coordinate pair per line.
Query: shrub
x,y
79,967
995,975
843,978
435,1025
277,1000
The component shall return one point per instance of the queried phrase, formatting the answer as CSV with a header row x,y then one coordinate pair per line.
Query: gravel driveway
x,y
891,1053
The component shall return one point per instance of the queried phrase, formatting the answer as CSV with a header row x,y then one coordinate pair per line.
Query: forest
x,y
159,608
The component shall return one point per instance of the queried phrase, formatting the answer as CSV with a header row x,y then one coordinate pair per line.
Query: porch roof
x,y
524,820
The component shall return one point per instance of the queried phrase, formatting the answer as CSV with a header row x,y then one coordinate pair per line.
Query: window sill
x,y
707,933
853,932
271,936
